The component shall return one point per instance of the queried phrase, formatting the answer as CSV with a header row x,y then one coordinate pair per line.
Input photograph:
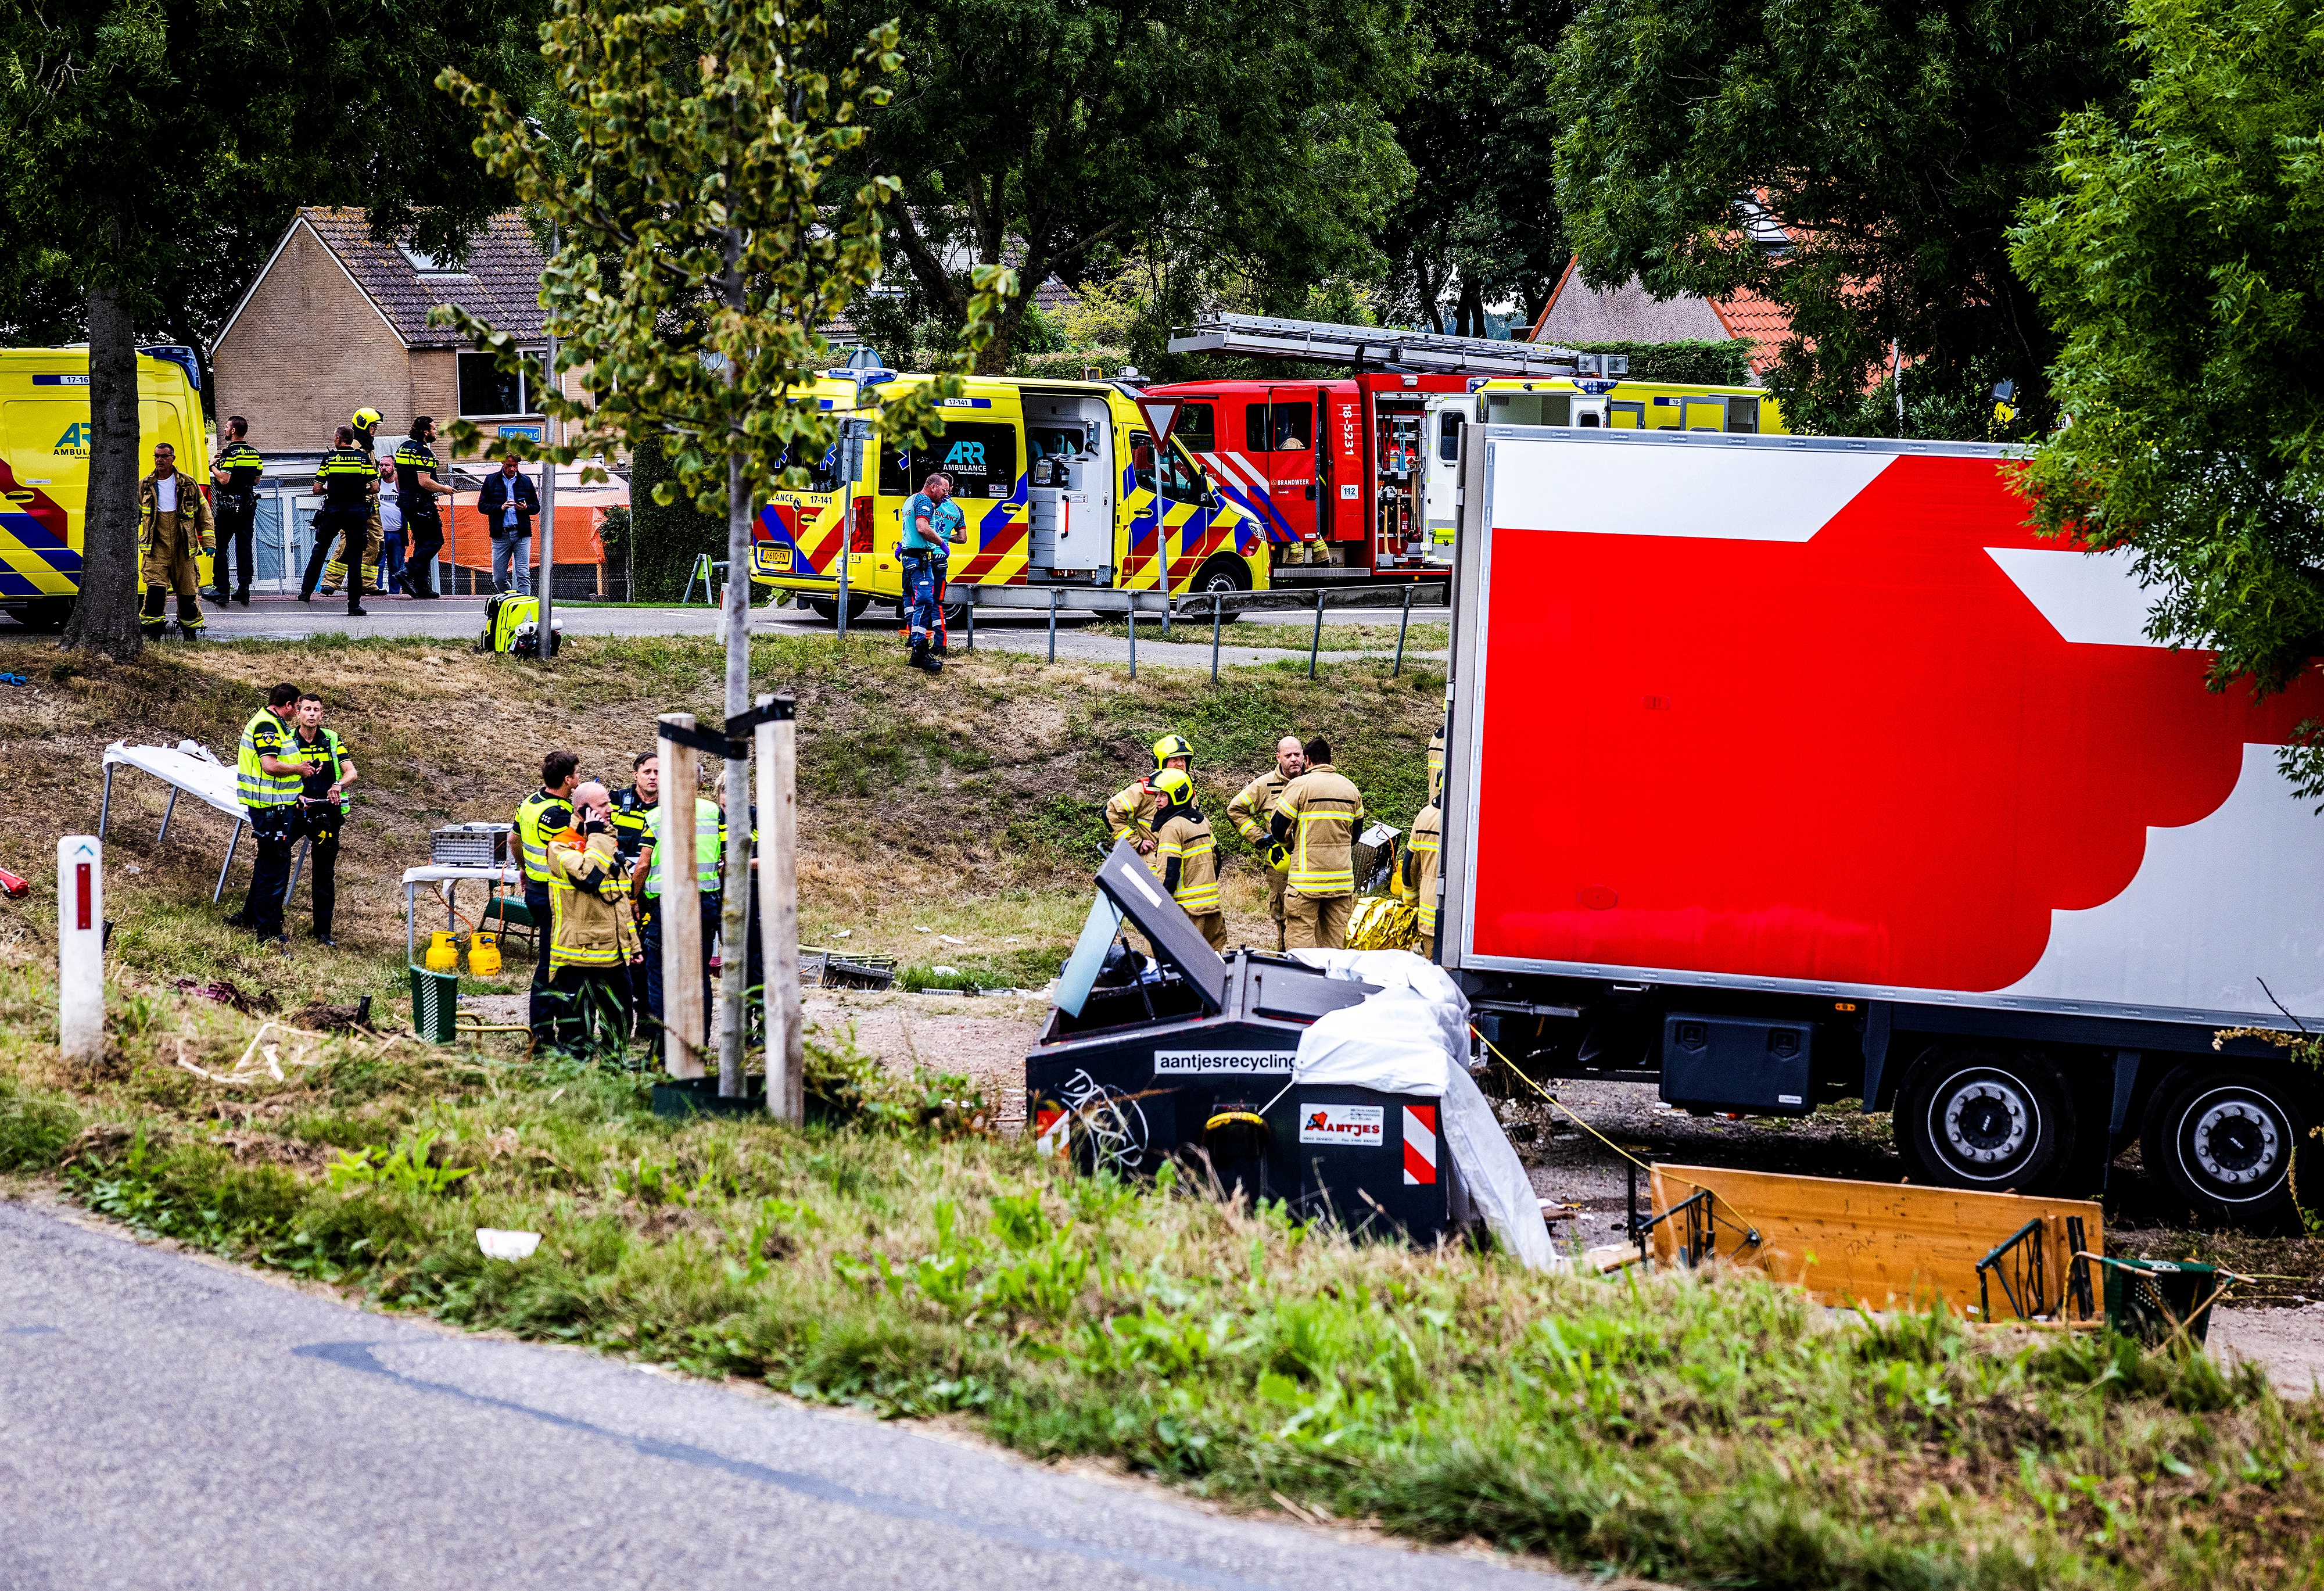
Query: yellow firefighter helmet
x,y
1173,745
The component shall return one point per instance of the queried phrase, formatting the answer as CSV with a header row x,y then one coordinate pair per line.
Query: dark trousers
x,y
330,523
650,935
586,1012
238,522
426,533
536,905
275,829
321,827
923,582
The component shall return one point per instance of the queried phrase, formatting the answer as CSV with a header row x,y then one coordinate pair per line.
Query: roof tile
x,y
500,282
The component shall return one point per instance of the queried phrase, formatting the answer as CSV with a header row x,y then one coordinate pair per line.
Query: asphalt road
x,y
461,619
166,1422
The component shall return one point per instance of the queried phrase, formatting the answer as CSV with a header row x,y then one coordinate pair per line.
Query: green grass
x,y
1710,1429
1424,637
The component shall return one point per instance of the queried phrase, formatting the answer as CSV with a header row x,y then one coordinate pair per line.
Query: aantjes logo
x,y
1359,1126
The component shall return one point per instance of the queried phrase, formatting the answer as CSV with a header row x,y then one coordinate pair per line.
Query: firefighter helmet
x,y
1175,786
1173,745
364,418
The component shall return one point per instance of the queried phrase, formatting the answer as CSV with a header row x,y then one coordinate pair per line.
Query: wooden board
x,y
1878,1243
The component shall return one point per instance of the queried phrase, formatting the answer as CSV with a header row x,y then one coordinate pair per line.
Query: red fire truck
x,y
1355,478
1788,770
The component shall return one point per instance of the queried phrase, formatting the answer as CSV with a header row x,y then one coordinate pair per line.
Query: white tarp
x,y
1412,1037
189,766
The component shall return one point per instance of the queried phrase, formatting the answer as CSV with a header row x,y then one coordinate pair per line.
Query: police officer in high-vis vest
x,y
709,850
541,816
323,806
268,776
234,475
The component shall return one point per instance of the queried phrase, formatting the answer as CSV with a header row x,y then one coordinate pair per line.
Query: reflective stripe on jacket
x,y
1130,812
327,742
1190,862
709,846
1324,810
1420,861
1437,764
540,817
1249,812
584,890
257,788
631,811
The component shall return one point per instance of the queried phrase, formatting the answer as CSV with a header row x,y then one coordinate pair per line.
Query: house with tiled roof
x,y
1578,312
336,321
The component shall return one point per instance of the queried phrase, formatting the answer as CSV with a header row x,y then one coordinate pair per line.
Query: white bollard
x,y
81,947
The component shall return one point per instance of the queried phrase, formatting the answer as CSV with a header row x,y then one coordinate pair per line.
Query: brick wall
x,y
435,392
308,350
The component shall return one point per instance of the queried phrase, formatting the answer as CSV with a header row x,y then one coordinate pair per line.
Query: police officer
x,y
1130,811
1185,847
631,808
1316,819
932,523
347,483
235,473
269,776
1253,808
544,814
348,562
323,806
173,527
416,492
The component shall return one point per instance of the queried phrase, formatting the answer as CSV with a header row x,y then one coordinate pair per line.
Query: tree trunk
x,y
105,619
733,927
1472,306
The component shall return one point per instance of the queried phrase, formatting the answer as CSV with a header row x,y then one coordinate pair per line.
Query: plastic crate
x,y
2148,1298
435,1003
472,845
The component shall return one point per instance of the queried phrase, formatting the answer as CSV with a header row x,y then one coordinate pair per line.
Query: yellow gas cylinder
x,y
443,954
484,956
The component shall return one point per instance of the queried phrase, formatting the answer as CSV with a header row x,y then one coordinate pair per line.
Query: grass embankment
x,y
1706,1430
967,805
1420,639
1713,1430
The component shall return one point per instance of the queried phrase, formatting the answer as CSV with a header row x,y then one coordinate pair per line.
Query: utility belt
x,y
420,513
227,497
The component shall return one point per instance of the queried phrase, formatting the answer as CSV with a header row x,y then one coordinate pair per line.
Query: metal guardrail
x,y
1215,606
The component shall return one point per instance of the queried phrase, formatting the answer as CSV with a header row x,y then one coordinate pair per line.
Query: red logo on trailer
x,y
1861,752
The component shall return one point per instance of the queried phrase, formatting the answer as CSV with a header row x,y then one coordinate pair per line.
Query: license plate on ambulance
x,y
779,558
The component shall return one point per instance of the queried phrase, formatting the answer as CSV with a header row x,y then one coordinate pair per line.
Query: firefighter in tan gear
x,y
1129,814
1188,855
173,529
1416,872
587,1009
1316,819
1436,763
1250,812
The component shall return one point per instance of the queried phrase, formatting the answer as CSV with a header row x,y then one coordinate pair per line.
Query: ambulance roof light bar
x,y
1264,337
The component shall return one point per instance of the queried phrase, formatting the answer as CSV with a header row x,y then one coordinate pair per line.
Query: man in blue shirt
x,y
933,523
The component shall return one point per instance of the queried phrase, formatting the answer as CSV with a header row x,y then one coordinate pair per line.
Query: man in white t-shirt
x,y
391,530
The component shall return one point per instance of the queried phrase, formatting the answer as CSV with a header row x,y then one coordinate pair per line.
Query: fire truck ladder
x,y
1357,347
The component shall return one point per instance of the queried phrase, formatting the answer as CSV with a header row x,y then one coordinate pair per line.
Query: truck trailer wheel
x,y
1997,1121
2223,1141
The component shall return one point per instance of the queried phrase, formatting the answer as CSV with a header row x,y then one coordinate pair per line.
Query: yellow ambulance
x,y
44,450
1060,483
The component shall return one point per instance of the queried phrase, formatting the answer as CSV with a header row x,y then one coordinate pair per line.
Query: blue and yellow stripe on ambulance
x,y
1004,541
1202,532
36,557
1141,552
799,535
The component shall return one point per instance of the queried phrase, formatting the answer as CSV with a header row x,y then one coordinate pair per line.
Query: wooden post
x,y
777,760
682,1016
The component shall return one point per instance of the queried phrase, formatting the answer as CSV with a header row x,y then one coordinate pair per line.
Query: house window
x,y
433,265
488,392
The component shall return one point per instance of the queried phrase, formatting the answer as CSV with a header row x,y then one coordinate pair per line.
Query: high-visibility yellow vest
x,y
540,818
709,842
264,732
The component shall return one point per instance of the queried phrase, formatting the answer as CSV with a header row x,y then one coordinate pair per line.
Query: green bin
x,y
2148,1298
435,1003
